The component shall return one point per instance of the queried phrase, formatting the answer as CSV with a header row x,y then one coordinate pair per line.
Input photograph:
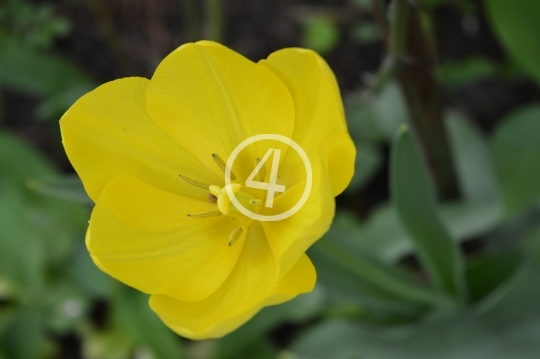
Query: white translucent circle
x,y
287,141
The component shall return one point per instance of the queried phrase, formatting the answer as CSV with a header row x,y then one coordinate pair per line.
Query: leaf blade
x,y
414,201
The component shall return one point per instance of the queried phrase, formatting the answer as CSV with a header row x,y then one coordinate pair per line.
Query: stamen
x,y
235,235
221,164
205,214
194,183
262,171
255,202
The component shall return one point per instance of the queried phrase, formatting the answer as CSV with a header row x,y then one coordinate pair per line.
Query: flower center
x,y
220,196
224,202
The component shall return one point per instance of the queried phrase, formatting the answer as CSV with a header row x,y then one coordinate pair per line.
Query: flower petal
x,y
250,287
319,110
107,132
142,236
219,98
299,279
291,237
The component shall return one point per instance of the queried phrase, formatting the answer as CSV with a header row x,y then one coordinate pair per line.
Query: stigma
x,y
223,200
220,196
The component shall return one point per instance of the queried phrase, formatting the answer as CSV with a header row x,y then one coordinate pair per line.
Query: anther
x,y
205,214
255,202
235,235
194,183
262,171
221,164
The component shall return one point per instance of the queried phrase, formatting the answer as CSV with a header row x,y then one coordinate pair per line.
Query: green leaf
x,y
473,159
237,343
516,24
390,109
464,72
366,33
389,282
345,288
35,72
507,330
516,146
486,272
55,105
412,194
383,237
20,161
368,161
361,122
377,117
31,24
261,349
320,34
54,222
86,275
364,4
68,187
466,220
21,251
135,319
23,338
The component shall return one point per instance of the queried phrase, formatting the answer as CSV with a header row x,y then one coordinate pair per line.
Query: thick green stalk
x,y
214,23
410,46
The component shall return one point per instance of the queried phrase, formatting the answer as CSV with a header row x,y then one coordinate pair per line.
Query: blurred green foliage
x,y
400,281
30,25
320,34
517,149
516,23
27,63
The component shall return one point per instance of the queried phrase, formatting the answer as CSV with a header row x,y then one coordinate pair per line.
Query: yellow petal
x,y
301,278
250,287
142,236
219,98
319,110
107,132
291,237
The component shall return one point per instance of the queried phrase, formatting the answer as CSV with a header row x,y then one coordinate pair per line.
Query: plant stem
x,y
376,82
379,11
409,45
214,25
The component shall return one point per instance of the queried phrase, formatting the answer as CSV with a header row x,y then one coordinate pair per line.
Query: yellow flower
x,y
152,153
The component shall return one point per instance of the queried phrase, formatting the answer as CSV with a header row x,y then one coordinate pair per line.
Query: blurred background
x,y
476,65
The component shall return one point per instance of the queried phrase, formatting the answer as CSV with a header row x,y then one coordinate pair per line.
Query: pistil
x,y
220,196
